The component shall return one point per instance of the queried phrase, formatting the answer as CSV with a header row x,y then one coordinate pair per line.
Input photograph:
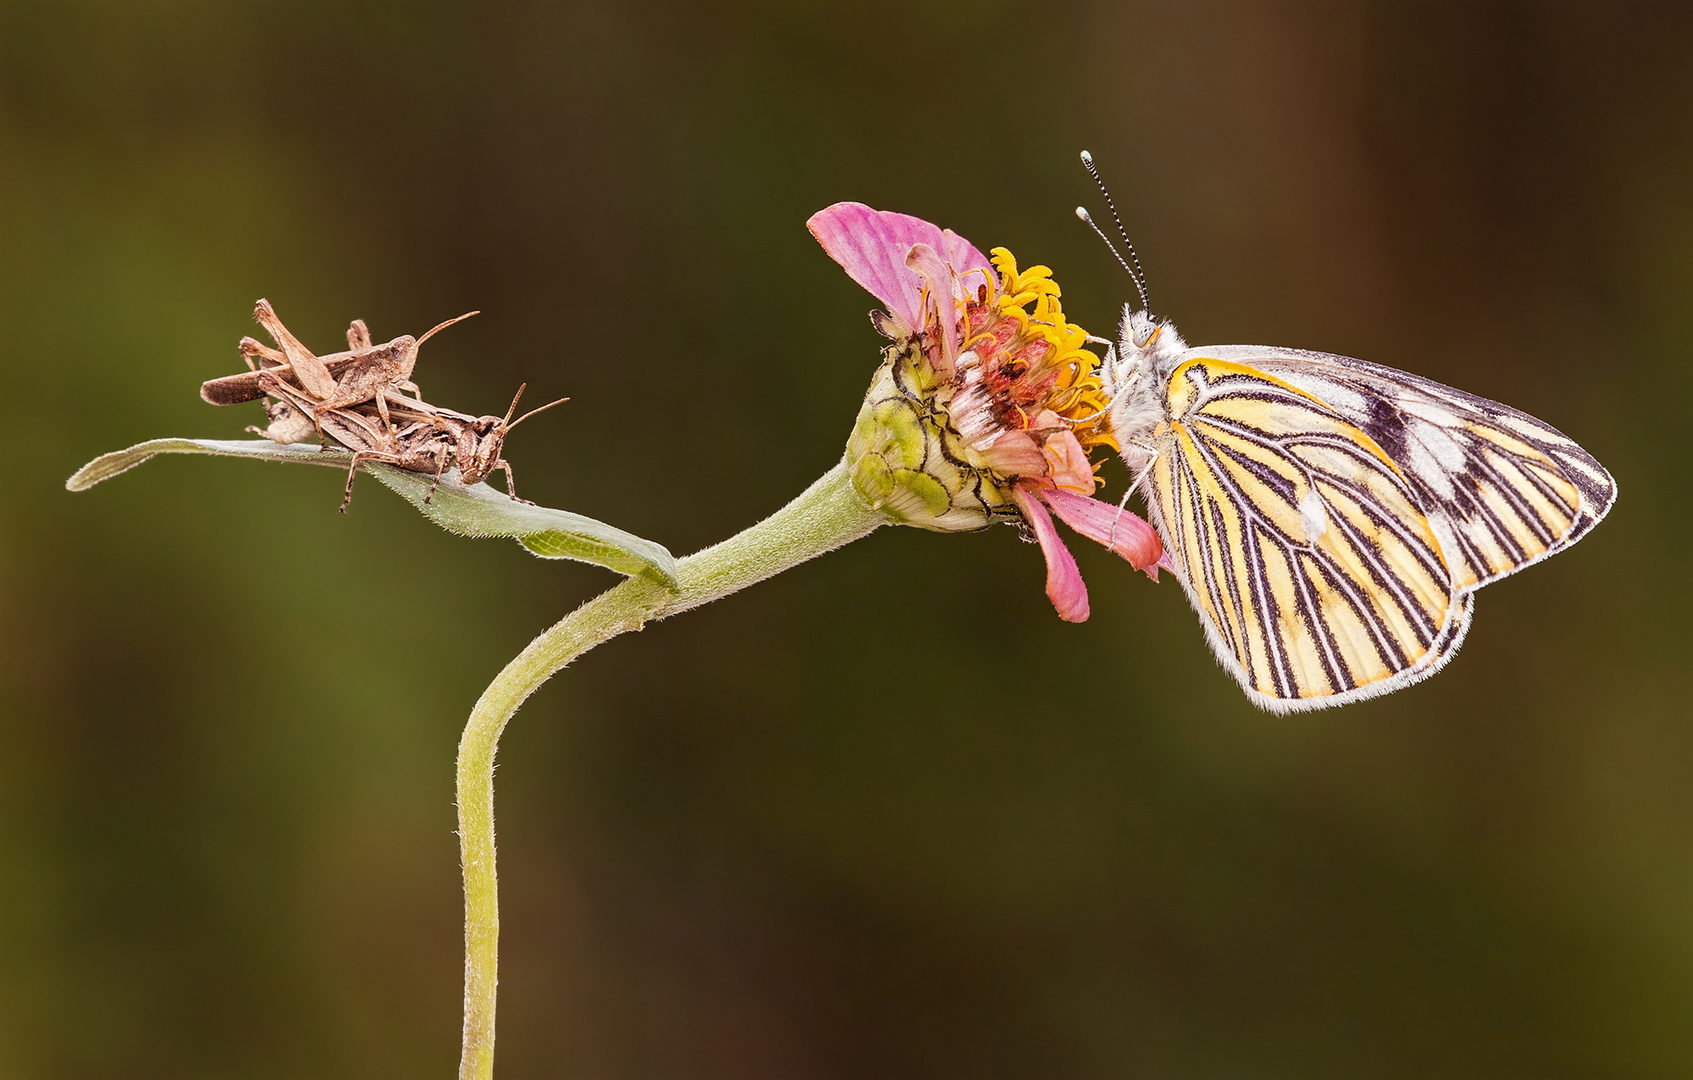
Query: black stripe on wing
x,y
1301,545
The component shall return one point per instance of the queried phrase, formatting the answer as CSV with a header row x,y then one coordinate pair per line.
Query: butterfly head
x,y
1135,373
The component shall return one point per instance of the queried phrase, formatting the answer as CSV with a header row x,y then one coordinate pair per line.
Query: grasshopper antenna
x,y
532,412
508,423
515,398
1136,274
446,324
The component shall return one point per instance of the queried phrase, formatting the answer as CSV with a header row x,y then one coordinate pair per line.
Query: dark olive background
x,y
886,815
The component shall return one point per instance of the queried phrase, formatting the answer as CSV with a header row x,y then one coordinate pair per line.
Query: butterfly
x,y
1331,519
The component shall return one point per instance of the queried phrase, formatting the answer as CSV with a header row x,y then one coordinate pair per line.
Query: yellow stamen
x,y
1079,392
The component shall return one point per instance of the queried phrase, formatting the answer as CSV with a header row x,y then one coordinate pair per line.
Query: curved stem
x,y
828,514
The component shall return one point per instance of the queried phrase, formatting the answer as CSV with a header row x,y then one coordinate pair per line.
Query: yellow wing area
x,y
1301,544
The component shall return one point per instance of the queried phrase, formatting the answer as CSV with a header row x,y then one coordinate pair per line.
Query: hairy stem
x,y
828,514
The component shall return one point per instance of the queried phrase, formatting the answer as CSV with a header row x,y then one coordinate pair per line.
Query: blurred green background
x,y
886,815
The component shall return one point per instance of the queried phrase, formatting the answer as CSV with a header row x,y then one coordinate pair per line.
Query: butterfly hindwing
x,y
1316,574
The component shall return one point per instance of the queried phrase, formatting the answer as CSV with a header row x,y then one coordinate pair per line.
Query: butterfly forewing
x,y
1302,545
1507,488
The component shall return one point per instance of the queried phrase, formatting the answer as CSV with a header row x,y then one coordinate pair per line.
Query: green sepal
x,y
908,462
478,510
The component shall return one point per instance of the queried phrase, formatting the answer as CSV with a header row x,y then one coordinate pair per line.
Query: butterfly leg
x,y
1108,366
1116,396
1123,504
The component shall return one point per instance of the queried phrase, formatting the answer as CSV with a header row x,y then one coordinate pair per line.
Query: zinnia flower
x,y
986,403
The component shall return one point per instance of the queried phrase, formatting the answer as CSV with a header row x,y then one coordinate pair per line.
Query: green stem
x,y
828,514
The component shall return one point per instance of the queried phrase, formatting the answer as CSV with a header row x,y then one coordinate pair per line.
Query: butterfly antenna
x,y
1082,212
446,324
1137,273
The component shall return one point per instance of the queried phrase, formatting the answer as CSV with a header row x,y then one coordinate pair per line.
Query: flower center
x,y
1033,357
1027,399
997,390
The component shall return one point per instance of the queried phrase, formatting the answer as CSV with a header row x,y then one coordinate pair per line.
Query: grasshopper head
x,y
482,440
479,448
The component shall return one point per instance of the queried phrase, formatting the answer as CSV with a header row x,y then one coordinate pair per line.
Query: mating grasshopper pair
x,y
359,399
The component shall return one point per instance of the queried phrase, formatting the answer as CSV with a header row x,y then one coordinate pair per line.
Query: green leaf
x,y
478,510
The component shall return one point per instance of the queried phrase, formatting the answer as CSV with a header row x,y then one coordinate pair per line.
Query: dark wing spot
x,y
1386,425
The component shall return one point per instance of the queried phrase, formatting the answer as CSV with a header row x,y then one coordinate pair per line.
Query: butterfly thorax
x,y
1136,375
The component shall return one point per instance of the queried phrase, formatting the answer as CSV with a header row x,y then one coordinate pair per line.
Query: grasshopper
x,y
366,372
412,435
244,386
356,398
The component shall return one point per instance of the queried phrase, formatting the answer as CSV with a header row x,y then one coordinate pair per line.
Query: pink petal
x,y
871,245
943,289
1065,456
1014,454
1125,533
1063,581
